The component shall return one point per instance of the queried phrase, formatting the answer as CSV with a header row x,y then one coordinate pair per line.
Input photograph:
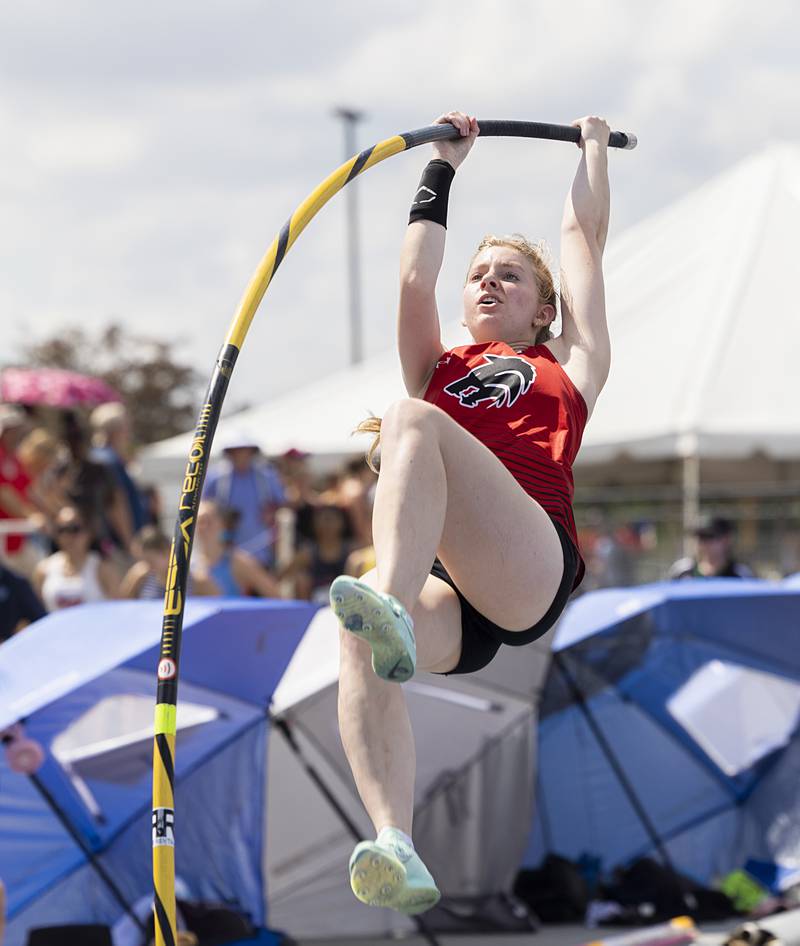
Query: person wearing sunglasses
x,y
75,574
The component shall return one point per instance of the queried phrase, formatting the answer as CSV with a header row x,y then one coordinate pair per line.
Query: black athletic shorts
x,y
481,638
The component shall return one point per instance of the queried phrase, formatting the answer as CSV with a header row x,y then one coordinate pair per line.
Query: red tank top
x,y
525,409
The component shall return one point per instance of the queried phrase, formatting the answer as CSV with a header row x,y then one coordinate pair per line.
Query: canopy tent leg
x,y
691,498
107,879
315,777
541,808
612,760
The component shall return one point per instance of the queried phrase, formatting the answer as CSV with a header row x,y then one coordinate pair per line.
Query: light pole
x,y
350,117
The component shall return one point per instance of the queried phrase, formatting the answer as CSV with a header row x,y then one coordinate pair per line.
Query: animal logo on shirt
x,y
502,380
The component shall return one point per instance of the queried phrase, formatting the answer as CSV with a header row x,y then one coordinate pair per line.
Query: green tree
x,y
161,393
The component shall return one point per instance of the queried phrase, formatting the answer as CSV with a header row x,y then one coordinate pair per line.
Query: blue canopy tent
x,y
668,728
75,838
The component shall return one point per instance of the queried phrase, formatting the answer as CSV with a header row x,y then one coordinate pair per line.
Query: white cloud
x,y
151,154
78,144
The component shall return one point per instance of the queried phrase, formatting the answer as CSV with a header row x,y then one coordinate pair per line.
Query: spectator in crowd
x,y
19,605
234,571
319,561
362,558
246,484
14,425
23,495
75,573
151,498
147,577
301,496
609,559
356,489
113,448
360,561
93,488
714,557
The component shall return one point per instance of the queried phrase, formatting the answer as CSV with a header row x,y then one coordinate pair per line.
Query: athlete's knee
x,y
408,415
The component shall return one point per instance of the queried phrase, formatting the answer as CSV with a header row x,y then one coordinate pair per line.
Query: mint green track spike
x,y
388,874
382,622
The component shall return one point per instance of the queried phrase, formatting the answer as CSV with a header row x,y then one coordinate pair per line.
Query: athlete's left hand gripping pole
x,y
180,554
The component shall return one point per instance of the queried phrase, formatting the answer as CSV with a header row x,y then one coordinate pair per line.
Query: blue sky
x,y
152,151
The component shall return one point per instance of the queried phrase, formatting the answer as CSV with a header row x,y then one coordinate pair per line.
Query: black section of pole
x,y
514,129
191,489
608,752
88,852
350,118
288,735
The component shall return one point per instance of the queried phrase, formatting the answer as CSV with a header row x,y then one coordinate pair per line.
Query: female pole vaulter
x,y
474,534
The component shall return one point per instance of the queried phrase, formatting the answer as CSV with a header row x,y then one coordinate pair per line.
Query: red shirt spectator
x,y
12,477
18,478
13,427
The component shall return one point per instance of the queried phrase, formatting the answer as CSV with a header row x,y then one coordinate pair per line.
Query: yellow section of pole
x,y
165,923
252,297
315,201
385,149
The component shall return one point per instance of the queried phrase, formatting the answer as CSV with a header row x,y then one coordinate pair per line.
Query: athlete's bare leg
x,y
439,489
373,718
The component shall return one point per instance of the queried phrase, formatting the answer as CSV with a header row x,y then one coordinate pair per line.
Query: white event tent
x,y
705,335
704,322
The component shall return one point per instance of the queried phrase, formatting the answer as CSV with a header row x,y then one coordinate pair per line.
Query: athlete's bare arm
x,y
583,347
418,332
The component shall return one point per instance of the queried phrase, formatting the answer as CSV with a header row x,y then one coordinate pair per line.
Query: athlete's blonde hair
x,y
538,254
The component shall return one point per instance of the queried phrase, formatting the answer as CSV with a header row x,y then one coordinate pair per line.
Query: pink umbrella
x,y
54,387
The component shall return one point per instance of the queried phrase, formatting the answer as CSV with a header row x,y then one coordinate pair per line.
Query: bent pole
x,y
163,814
